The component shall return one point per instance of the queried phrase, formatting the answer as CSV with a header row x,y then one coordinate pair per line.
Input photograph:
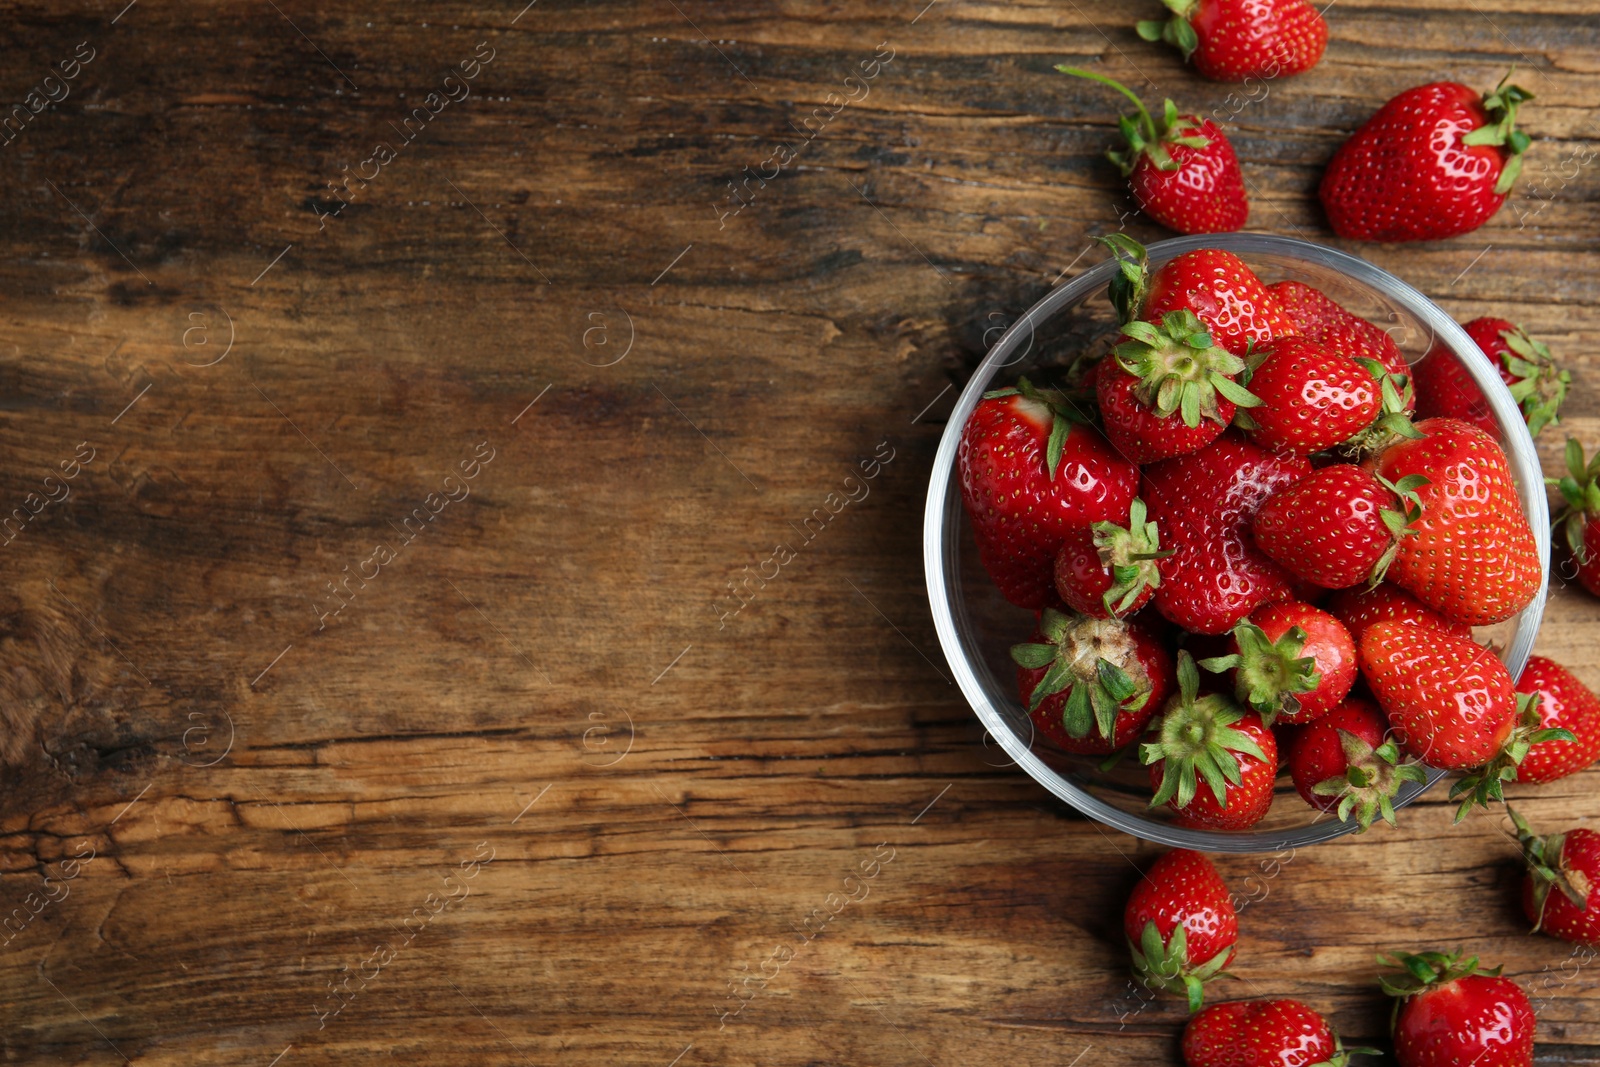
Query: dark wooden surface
x,y
643,795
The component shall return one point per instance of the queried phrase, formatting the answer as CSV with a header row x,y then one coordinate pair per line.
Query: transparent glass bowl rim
x,y
1514,433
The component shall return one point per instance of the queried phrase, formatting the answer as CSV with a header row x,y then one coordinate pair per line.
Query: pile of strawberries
x,y
1253,536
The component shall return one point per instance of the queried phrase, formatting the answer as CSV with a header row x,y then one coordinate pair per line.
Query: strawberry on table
x,y
1181,925
1221,289
1311,397
1090,684
1181,169
1473,557
1110,570
1326,321
1338,526
1211,762
1434,162
1232,40
1360,608
1564,703
1452,1014
1032,471
1264,1033
1203,504
1537,383
1291,663
1346,763
1580,520
1561,892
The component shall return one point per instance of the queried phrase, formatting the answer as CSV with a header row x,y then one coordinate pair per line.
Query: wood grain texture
x,y
639,796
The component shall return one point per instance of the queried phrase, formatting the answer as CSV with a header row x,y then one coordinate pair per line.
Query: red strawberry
x,y
1231,302
1203,503
1345,763
1029,476
1311,397
1580,520
1444,386
1106,569
1564,702
1091,685
1360,608
1337,526
1181,925
1264,1033
1570,864
1451,1014
1291,662
1473,557
1232,40
1212,763
1434,162
1326,321
1182,169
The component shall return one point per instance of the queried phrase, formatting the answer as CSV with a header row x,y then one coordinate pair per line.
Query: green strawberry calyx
x,y
1341,1055
1580,489
1541,384
1095,662
1268,675
1393,423
1487,783
1370,782
1146,135
1423,971
1129,553
1165,965
1501,104
1401,522
1128,285
1064,414
1176,31
1544,859
1180,370
1196,741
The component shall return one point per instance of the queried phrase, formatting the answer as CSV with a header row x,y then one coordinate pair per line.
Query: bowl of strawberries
x,y
1203,571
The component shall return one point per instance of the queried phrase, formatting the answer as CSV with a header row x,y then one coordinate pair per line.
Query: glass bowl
x,y
977,626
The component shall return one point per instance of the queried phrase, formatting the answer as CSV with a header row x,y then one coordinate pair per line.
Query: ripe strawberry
x,y
1091,685
1346,763
1203,503
1181,925
1232,40
1564,702
1109,570
1182,169
1231,302
1291,662
1029,476
1360,608
1168,391
1209,737
1264,1033
1473,557
1337,526
1324,320
1451,1014
1444,386
1434,162
1570,863
1580,520
1311,397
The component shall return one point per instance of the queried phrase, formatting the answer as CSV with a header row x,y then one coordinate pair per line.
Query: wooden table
x,y
396,404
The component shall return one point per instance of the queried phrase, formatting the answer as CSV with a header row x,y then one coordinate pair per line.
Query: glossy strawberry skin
x,y
1204,195
1265,39
1224,292
1473,558
1360,608
1183,888
1312,397
1406,176
1203,504
1082,580
1326,528
1562,918
1137,432
1450,702
1563,702
1247,802
1326,321
1147,660
1477,1020
1019,513
1327,641
1257,1033
1316,753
